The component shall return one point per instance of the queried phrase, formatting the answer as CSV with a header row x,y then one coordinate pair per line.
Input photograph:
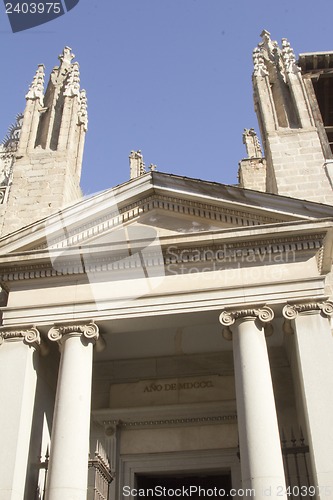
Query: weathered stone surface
x,y
47,166
294,147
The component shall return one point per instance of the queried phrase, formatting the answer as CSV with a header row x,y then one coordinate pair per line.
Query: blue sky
x,y
169,77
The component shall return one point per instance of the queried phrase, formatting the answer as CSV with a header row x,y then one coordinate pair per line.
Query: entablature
x,y
276,244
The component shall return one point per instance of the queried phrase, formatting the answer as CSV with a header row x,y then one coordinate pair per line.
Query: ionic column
x,y
18,379
314,359
259,440
68,469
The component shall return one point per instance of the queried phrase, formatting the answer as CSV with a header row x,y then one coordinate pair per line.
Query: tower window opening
x,y
323,88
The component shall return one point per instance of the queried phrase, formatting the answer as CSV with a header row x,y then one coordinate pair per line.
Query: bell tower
x,y
41,158
297,162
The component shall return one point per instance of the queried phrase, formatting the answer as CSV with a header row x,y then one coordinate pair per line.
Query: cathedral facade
x,y
170,336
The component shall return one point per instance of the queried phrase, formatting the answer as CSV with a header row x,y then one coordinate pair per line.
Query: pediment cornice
x,y
212,205
91,229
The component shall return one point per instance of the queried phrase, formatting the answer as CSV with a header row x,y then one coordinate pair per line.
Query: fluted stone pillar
x,y
314,354
18,379
68,466
259,440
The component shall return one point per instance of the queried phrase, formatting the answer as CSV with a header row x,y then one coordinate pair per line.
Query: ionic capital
x,y
291,311
262,314
30,335
89,331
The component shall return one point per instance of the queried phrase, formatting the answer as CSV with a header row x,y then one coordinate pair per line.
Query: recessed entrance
x,y
196,486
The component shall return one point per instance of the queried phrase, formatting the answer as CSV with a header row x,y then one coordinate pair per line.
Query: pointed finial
x,y
36,89
137,166
72,86
252,144
266,36
289,57
267,43
66,56
259,64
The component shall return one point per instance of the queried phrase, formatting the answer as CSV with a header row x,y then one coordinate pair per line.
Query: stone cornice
x,y
228,317
101,259
29,335
89,331
239,249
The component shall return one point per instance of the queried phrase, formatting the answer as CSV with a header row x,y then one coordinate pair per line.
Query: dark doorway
x,y
191,486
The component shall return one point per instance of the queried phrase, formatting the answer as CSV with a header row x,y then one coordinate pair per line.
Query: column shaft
x,y
259,440
18,380
260,449
314,353
68,470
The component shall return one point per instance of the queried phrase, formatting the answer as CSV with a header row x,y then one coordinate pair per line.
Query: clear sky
x,y
169,77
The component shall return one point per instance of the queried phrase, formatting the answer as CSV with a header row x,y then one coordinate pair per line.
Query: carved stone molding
x,y
72,87
172,204
259,64
252,144
289,58
263,314
36,89
291,311
82,115
29,335
168,422
276,250
66,56
89,331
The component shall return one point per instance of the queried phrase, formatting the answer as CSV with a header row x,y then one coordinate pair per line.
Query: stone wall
x,y
252,174
297,166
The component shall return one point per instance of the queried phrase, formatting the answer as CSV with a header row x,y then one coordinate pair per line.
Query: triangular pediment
x,y
166,204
